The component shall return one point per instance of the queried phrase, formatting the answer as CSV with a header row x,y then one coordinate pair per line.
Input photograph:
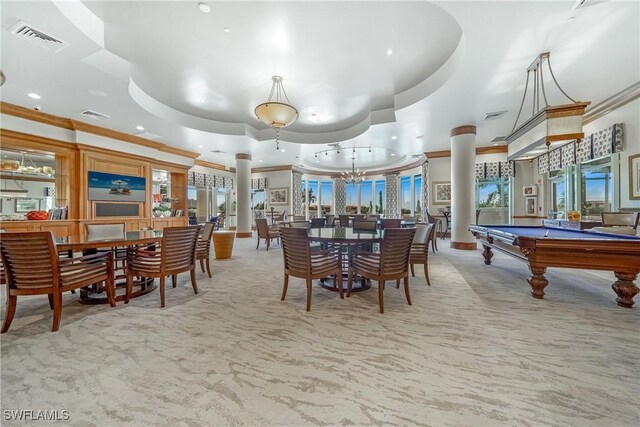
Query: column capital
x,y
243,156
462,130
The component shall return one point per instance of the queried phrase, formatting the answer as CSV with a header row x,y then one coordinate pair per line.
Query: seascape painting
x,y
116,188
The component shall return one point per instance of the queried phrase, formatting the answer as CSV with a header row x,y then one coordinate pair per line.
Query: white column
x,y
243,195
463,195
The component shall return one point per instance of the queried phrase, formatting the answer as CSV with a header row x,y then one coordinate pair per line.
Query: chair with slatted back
x,y
203,251
300,261
265,232
33,267
420,249
391,263
373,217
390,223
437,224
363,225
619,223
344,220
317,222
330,220
176,254
300,224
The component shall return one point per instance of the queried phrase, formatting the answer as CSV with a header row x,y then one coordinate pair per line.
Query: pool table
x,y
542,247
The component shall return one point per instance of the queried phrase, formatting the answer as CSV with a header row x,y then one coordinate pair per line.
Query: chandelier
x,y
354,176
548,123
277,112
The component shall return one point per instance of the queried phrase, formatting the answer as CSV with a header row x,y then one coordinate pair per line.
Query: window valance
x,y
258,183
595,146
201,179
494,170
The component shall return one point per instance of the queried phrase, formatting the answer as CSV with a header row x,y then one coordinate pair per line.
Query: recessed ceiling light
x,y
34,95
495,144
199,146
393,154
419,136
389,52
204,8
283,150
259,161
394,137
571,19
227,30
96,92
139,127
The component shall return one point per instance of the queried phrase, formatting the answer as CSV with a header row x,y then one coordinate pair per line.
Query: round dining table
x,y
349,242
87,244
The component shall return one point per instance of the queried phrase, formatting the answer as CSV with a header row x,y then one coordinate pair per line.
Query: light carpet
x,y
475,349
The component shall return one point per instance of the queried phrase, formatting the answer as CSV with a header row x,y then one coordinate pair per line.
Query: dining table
x,y
87,244
349,242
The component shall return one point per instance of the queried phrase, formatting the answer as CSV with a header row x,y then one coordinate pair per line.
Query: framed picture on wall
x,y
442,192
278,196
26,205
634,177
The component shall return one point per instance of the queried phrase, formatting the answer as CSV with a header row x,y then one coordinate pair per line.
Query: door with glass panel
x,y
492,199
596,189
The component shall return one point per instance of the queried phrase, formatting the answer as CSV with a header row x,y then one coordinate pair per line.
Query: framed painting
x,y
278,196
634,177
442,192
116,188
26,205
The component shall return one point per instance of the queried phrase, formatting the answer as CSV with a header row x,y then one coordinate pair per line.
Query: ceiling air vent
x,y
499,139
218,152
94,115
148,135
35,36
495,115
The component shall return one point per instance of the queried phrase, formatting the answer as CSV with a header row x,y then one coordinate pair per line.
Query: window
x,y
596,188
326,196
405,195
492,200
558,192
381,196
258,201
417,189
312,196
366,197
352,199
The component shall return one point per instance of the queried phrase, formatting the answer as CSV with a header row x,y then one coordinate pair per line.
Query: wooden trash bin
x,y
223,243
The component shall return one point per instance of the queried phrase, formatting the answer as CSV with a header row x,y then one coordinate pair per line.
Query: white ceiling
x,y
174,70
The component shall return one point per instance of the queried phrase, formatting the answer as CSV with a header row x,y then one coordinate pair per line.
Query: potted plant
x,y
161,210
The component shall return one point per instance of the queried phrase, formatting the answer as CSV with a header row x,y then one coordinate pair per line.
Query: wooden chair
x,y
420,249
363,225
436,224
300,261
266,233
373,217
32,267
203,247
330,220
344,221
390,223
392,263
317,223
300,224
175,254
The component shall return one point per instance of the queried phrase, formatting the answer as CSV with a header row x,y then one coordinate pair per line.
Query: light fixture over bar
x,y
548,124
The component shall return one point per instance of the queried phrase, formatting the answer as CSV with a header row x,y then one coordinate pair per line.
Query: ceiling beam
x,y
479,150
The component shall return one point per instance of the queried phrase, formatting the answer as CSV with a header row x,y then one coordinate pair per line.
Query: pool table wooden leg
x,y
487,254
537,281
625,288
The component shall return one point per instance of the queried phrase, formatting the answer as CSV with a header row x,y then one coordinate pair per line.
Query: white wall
x,y
36,191
278,179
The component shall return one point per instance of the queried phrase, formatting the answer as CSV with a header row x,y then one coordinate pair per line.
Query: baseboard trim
x,y
244,235
465,246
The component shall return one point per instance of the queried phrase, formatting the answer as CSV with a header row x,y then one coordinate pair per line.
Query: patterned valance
x,y
201,179
258,183
597,145
494,170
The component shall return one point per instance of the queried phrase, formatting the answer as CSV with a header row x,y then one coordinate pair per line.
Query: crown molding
x,y
76,125
479,150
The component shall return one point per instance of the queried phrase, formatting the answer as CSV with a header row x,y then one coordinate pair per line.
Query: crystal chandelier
x,y
354,176
277,112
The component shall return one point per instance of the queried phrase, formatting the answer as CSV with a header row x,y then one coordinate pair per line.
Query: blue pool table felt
x,y
539,232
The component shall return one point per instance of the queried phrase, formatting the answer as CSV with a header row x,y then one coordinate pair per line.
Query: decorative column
x,y
424,193
463,195
296,196
391,210
243,195
340,196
